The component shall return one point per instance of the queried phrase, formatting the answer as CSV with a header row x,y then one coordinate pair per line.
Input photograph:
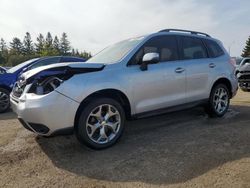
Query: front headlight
x,y
46,86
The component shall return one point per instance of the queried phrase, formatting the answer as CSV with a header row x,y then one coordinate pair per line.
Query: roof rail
x,y
185,31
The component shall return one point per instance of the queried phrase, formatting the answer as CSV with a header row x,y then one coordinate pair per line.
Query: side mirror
x,y
149,58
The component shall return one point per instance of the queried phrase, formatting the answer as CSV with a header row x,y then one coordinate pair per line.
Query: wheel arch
x,y
115,94
225,81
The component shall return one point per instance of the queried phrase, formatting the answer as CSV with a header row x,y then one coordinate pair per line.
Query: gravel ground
x,y
181,149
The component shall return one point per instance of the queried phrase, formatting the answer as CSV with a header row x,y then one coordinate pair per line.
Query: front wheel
x,y
219,101
4,100
101,123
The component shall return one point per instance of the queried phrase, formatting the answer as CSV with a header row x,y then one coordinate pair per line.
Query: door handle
x,y
212,65
179,70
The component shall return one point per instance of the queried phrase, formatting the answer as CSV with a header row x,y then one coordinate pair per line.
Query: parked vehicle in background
x,y
242,62
2,70
161,72
243,74
11,75
238,61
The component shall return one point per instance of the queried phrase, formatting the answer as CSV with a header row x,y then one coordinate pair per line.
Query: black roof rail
x,y
185,31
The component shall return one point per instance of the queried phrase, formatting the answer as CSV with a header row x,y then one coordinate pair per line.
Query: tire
x,y
218,98
100,131
4,100
245,90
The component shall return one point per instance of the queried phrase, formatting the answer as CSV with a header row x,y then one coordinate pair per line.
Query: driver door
x,y
163,84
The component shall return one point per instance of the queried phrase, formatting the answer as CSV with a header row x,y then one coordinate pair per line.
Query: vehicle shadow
x,y
167,149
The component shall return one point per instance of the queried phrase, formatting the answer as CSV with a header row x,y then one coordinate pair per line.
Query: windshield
x,y
245,61
115,52
21,65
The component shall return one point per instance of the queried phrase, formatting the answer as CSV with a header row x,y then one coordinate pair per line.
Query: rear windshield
x,y
22,65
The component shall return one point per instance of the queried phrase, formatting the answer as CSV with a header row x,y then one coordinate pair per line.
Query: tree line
x,y
19,50
246,50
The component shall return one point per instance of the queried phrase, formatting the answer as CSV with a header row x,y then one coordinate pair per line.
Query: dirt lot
x,y
181,149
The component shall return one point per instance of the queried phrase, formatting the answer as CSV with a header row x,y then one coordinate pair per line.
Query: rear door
x,y
194,54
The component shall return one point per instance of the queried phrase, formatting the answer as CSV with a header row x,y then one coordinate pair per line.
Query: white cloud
x,y
92,25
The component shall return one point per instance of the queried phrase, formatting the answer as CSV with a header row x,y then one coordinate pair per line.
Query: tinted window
x,y
245,61
213,48
193,48
166,46
72,59
45,62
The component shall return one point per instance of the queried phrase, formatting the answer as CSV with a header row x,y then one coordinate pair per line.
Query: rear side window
x,y
193,48
166,46
214,49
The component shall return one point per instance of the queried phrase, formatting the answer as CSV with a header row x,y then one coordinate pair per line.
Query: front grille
x,y
244,77
18,90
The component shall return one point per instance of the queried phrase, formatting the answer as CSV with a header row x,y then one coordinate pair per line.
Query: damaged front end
x,y
45,80
244,77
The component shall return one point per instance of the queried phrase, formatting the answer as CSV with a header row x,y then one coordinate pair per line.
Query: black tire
x,y
210,108
245,90
4,108
81,127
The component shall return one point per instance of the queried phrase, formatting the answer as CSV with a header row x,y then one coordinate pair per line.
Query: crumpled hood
x,y
63,68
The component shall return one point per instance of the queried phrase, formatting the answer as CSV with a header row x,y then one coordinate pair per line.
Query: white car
x,y
165,71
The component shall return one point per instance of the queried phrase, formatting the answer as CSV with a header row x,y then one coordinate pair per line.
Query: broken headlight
x,y
46,86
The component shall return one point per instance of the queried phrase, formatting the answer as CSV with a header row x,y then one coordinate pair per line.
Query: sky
x,y
92,25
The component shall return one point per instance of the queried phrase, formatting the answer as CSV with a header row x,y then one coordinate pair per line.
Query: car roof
x,y
188,33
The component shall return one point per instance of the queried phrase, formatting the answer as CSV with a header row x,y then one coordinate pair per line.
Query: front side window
x,y
166,46
45,62
193,48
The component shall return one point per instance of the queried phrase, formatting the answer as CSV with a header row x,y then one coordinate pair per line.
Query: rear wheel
x,y
101,123
219,101
4,100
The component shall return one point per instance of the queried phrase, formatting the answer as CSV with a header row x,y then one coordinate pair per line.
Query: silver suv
x,y
157,73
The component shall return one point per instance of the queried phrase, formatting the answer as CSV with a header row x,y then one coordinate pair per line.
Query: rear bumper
x,y
234,84
46,114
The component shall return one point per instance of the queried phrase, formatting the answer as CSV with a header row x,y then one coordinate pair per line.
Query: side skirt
x,y
170,109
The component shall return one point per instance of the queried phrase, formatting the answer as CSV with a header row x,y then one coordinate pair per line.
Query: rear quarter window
x,y
214,49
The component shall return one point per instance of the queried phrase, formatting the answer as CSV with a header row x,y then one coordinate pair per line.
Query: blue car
x,y
8,79
2,70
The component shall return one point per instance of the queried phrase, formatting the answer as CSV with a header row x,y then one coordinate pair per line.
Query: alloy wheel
x,y
220,100
103,124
